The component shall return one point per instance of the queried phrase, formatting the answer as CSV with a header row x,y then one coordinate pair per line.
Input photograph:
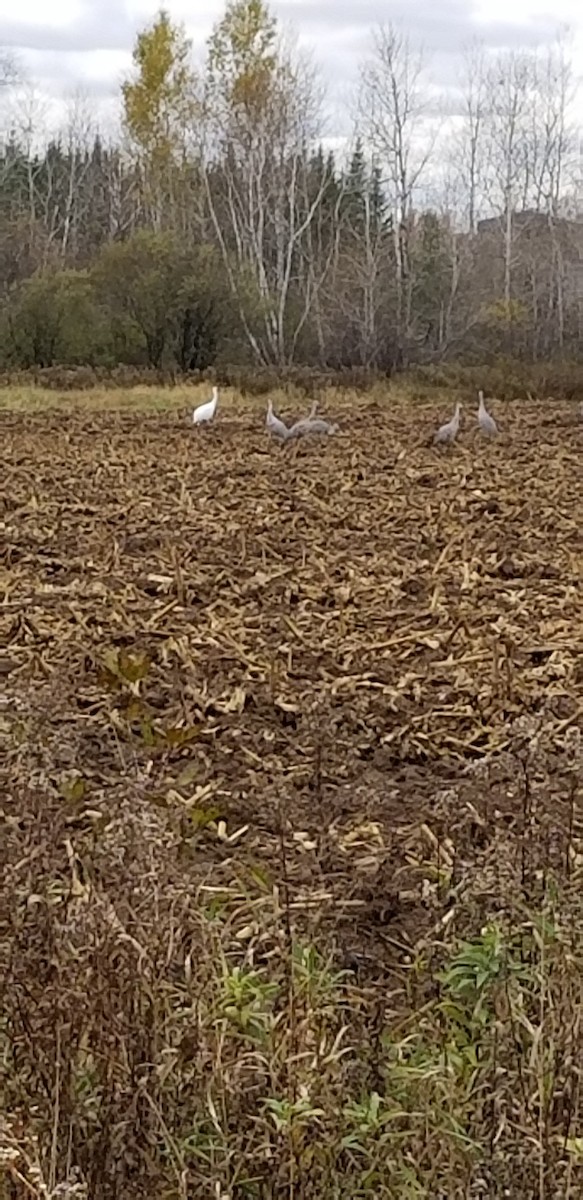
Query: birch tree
x,y
393,108
551,148
469,144
550,137
261,120
509,82
78,135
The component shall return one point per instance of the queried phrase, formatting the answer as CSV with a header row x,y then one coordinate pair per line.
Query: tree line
x,y
218,229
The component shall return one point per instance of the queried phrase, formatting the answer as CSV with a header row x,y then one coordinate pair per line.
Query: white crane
x,y
485,421
206,412
446,434
274,425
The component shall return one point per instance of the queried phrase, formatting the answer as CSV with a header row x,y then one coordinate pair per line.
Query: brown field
x,y
292,826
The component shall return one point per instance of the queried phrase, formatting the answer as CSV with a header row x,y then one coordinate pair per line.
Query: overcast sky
x,y
86,44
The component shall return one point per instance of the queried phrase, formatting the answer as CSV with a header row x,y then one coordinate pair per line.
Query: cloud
x,y
102,25
444,28
97,73
87,43
340,33
96,25
91,48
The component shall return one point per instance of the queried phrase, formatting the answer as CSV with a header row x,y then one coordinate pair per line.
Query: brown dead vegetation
x,y
292,826
506,378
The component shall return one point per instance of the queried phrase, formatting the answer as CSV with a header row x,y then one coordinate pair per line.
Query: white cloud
x,y
87,43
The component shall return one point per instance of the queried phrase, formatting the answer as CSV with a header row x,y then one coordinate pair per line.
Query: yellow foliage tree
x,y
160,103
243,57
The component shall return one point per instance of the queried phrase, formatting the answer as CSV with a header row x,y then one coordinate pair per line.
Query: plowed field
x,y
329,691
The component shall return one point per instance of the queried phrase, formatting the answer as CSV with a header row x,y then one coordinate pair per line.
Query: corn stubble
x,y
292,836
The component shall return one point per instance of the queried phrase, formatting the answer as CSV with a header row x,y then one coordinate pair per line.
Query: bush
x,y
508,379
171,308
53,318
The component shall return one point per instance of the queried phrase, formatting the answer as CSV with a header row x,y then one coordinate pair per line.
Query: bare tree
x,y
29,122
551,135
552,144
528,139
10,70
393,109
360,282
318,249
509,82
78,136
469,141
9,75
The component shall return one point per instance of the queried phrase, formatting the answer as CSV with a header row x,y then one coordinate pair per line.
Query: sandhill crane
x,y
274,425
485,421
206,412
447,433
312,425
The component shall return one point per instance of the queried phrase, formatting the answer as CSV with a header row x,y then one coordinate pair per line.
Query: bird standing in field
x,y
312,425
206,412
275,427
485,421
446,434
